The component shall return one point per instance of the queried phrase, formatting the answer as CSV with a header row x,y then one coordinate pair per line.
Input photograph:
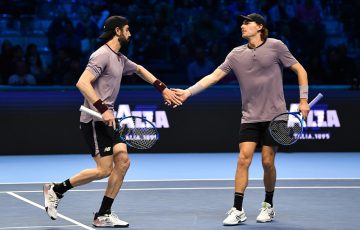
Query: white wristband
x,y
304,91
195,89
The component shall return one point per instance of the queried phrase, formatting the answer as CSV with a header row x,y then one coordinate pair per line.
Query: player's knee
x,y
125,164
244,161
103,172
267,164
122,160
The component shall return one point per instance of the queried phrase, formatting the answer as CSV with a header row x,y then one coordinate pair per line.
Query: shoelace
x,y
54,200
267,211
230,211
113,215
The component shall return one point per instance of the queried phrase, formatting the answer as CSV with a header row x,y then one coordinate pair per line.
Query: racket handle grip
x,y
90,111
315,100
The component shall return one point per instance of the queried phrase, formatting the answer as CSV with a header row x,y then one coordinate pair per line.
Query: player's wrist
x,y
188,92
100,106
159,85
304,91
196,89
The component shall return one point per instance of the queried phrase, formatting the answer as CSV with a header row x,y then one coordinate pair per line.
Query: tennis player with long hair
x,y
100,85
258,67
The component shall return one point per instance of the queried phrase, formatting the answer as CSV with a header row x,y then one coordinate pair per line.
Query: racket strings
x,y
138,132
286,129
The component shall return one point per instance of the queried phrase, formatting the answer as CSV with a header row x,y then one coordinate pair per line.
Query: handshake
x,y
175,97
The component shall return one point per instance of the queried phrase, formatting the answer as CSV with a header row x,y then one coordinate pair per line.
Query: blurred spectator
x,y
182,60
61,65
21,75
216,53
17,54
6,56
349,14
315,69
87,31
341,68
68,40
166,33
56,28
34,62
200,67
226,23
308,13
71,76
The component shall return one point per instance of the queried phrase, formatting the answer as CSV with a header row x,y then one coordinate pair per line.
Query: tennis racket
x,y
287,128
136,132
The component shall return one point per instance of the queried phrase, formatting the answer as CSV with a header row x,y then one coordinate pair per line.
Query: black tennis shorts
x,y
256,132
99,137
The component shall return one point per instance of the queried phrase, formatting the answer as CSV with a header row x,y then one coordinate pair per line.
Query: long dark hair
x,y
264,33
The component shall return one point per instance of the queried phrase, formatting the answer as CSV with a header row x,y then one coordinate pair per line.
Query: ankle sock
x,y
105,207
269,197
238,200
63,187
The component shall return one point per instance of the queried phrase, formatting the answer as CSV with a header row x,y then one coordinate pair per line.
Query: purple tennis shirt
x,y
108,68
259,73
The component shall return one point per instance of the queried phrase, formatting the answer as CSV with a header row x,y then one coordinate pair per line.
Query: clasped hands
x,y
175,97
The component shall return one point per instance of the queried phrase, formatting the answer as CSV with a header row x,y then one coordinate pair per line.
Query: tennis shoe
x,y
51,200
234,217
267,213
109,220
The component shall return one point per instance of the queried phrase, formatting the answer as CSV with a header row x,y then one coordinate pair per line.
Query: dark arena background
x,y
45,47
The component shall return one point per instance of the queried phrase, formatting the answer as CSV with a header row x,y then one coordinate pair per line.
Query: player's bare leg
x,y
267,212
121,165
106,218
236,214
247,150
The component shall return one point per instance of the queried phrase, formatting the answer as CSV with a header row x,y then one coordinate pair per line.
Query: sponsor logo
x,y
319,123
157,117
107,149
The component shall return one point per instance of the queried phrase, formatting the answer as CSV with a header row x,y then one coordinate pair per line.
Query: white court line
x,y
41,207
186,188
45,226
178,180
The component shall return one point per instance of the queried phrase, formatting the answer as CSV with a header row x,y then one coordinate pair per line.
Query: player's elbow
x,y
299,69
81,84
140,69
78,84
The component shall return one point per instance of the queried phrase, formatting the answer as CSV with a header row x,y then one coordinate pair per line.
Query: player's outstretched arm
x,y
169,96
201,85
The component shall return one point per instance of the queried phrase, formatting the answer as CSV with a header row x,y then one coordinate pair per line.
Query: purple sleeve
x,y
97,64
285,57
130,67
226,65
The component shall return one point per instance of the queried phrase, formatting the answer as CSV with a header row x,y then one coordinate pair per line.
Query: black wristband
x,y
160,86
100,106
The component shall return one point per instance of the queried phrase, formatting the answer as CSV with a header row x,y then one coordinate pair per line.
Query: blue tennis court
x,y
186,191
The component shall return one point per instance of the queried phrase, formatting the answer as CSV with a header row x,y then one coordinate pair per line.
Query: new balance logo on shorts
x,y
107,149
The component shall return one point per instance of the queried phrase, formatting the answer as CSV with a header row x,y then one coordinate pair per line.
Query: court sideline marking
x,y
41,207
187,188
50,226
179,180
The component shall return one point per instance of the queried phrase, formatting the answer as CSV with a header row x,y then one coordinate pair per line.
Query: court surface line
x,y
184,188
177,180
45,226
41,207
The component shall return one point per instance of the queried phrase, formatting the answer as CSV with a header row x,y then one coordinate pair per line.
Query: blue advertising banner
x,y
46,120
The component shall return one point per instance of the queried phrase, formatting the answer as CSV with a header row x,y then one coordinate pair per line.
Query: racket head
x,y
137,132
286,128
